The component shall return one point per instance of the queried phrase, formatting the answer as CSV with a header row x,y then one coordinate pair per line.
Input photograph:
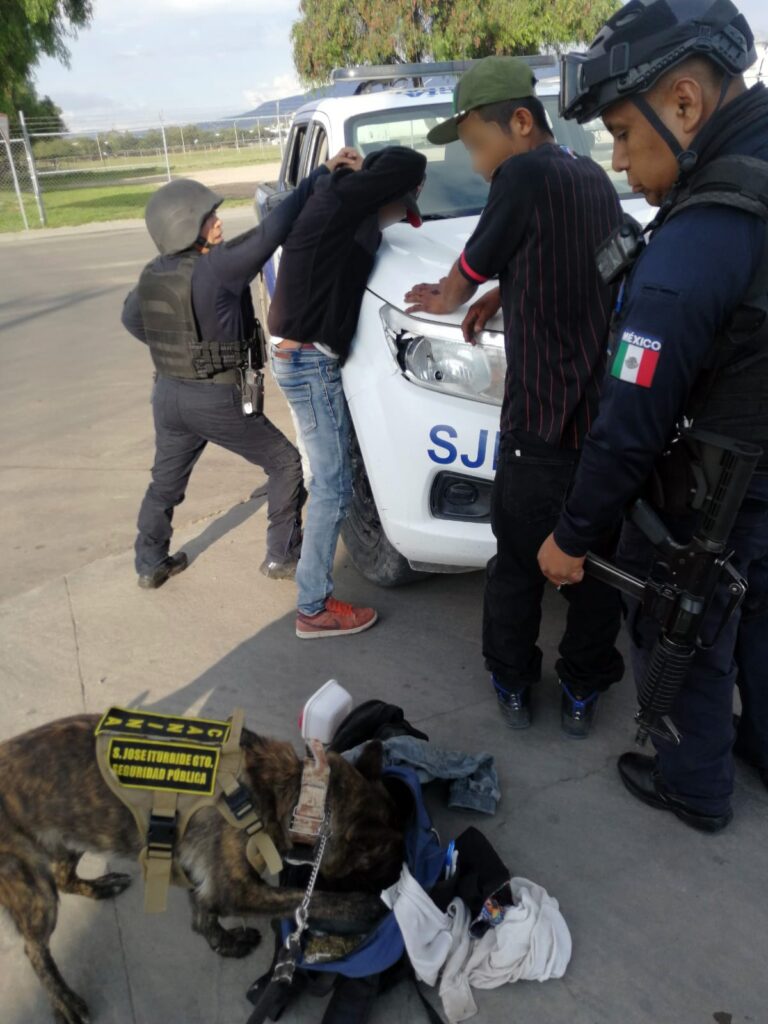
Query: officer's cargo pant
x,y
700,770
189,414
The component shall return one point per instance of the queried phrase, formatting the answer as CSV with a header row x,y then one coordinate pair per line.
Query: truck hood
x,y
409,256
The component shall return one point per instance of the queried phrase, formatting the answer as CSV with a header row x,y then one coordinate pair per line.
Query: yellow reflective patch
x,y
204,730
151,764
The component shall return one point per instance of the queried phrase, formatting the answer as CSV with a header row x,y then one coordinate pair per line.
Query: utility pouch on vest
x,y
676,482
620,250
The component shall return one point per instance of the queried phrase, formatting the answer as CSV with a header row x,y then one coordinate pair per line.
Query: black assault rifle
x,y
685,577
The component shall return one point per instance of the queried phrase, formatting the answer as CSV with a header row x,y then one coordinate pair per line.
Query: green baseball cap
x,y
491,80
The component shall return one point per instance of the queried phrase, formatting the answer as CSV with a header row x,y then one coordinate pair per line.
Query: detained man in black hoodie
x,y
324,268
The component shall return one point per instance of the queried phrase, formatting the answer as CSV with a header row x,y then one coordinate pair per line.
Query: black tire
x,y
364,536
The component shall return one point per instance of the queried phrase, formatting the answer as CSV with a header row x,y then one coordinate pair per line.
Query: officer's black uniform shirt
x,y
328,256
684,288
221,295
548,210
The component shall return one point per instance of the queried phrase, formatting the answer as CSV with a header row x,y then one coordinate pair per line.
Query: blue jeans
x,y
700,769
474,781
311,382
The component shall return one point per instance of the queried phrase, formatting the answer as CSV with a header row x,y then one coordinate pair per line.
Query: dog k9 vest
x,y
165,769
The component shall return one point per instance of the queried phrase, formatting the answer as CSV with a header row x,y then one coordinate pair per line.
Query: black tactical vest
x,y
731,395
165,298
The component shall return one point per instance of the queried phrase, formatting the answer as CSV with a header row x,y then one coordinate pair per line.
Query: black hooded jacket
x,y
328,256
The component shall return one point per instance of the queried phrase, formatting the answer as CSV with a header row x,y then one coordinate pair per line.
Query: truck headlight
x,y
435,355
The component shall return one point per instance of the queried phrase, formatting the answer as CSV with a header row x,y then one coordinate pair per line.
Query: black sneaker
x,y
577,713
515,705
172,566
279,570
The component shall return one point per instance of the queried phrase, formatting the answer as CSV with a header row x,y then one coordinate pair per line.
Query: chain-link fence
x,y
57,178
18,204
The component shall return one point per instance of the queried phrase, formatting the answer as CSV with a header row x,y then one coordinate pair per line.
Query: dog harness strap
x,y
232,744
158,853
236,807
309,813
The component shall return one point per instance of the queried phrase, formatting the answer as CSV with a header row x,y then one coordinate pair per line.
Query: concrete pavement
x,y
669,926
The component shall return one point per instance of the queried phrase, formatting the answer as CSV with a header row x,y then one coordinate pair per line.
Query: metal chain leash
x,y
289,955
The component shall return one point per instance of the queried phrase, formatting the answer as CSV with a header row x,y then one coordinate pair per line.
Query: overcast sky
x,y
190,59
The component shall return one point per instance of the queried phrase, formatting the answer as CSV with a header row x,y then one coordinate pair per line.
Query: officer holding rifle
x,y
690,349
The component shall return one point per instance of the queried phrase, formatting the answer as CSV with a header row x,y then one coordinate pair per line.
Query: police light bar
x,y
369,73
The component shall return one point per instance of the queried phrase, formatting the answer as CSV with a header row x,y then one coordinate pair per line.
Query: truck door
x,y
307,148
268,197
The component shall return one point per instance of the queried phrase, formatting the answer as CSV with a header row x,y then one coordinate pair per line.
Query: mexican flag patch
x,y
636,358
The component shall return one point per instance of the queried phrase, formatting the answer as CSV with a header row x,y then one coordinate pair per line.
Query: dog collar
x,y
309,813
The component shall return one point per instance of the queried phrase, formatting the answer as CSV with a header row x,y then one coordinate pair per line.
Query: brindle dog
x,y
54,806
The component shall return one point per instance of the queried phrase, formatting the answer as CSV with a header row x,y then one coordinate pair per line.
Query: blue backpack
x,y
381,951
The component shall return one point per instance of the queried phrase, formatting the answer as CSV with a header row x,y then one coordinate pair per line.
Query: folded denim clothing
x,y
474,781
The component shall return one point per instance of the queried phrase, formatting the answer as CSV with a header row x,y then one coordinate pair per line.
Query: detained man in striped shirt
x,y
547,212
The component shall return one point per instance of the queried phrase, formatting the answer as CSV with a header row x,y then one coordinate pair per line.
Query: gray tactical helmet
x,y
642,40
175,214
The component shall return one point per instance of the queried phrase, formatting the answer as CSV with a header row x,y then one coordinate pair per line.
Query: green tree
x,y
32,29
337,33
41,112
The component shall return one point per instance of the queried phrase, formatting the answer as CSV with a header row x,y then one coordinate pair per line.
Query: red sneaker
x,y
338,619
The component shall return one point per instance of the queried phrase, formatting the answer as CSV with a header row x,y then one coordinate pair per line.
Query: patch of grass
x,y
246,157
71,207
194,160
95,178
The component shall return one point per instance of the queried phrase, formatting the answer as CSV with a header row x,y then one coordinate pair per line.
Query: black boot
x,y
171,566
515,705
745,754
279,570
577,712
642,778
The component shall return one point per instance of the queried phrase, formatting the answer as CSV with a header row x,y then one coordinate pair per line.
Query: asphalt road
x,y
669,926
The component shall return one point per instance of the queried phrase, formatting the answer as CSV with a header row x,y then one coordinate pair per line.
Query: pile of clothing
x,y
456,916
478,928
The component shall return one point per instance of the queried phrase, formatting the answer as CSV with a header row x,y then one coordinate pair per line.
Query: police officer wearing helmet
x,y
666,76
193,308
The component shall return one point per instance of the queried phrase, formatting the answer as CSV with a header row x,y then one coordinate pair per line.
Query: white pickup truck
x,y
424,404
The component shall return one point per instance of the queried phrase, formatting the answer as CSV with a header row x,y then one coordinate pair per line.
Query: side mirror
x,y
272,202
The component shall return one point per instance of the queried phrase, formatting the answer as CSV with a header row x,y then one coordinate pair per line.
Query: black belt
x,y
224,377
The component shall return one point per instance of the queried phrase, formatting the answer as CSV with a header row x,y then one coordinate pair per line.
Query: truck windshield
x,y
452,189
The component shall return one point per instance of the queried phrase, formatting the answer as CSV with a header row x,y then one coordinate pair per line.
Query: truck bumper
x,y
416,442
